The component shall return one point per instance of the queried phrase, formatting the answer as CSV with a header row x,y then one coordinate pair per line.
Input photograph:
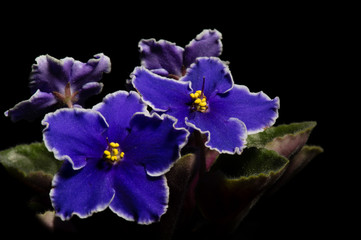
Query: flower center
x,y
200,101
68,98
113,153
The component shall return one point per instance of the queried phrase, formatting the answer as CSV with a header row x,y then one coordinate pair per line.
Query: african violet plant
x,y
206,151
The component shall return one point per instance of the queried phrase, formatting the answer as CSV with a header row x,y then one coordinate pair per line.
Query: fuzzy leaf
x,y
31,163
284,139
235,183
297,163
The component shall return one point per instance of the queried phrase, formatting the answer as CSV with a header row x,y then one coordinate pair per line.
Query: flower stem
x,y
202,153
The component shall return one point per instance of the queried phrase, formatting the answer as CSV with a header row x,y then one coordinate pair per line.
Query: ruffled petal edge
x,y
80,163
242,137
180,146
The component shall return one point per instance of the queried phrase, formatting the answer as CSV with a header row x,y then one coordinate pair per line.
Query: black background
x,y
298,53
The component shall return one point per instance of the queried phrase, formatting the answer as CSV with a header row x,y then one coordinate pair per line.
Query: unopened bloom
x,y
206,99
57,83
115,156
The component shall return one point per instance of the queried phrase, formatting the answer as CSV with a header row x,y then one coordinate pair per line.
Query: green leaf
x,y
235,183
31,163
302,158
284,139
297,163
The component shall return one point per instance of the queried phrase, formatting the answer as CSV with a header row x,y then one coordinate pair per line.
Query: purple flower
x,y
169,60
56,83
116,155
207,100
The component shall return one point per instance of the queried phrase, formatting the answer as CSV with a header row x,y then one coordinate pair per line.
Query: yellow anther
x,y
197,101
115,151
200,101
202,104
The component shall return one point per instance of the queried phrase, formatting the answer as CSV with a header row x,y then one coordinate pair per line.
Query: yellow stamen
x,y
198,101
202,104
114,145
115,151
112,153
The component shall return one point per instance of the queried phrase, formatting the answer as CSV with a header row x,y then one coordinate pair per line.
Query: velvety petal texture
x,y
211,74
57,83
82,192
50,74
161,55
75,135
118,108
167,147
159,92
133,184
138,196
207,44
224,135
88,90
163,94
169,60
39,104
256,110
231,111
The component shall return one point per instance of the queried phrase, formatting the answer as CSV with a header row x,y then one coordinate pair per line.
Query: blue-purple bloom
x,y
169,60
116,155
207,100
56,83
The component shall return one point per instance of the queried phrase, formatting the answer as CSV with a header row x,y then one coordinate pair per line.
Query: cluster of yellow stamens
x,y
200,101
112,153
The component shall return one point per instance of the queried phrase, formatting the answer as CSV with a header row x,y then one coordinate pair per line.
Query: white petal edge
x,y
120,92
99,208
146,222
207,31
159,42
216,59
272,120
133,76
162,117
237,150
57,155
